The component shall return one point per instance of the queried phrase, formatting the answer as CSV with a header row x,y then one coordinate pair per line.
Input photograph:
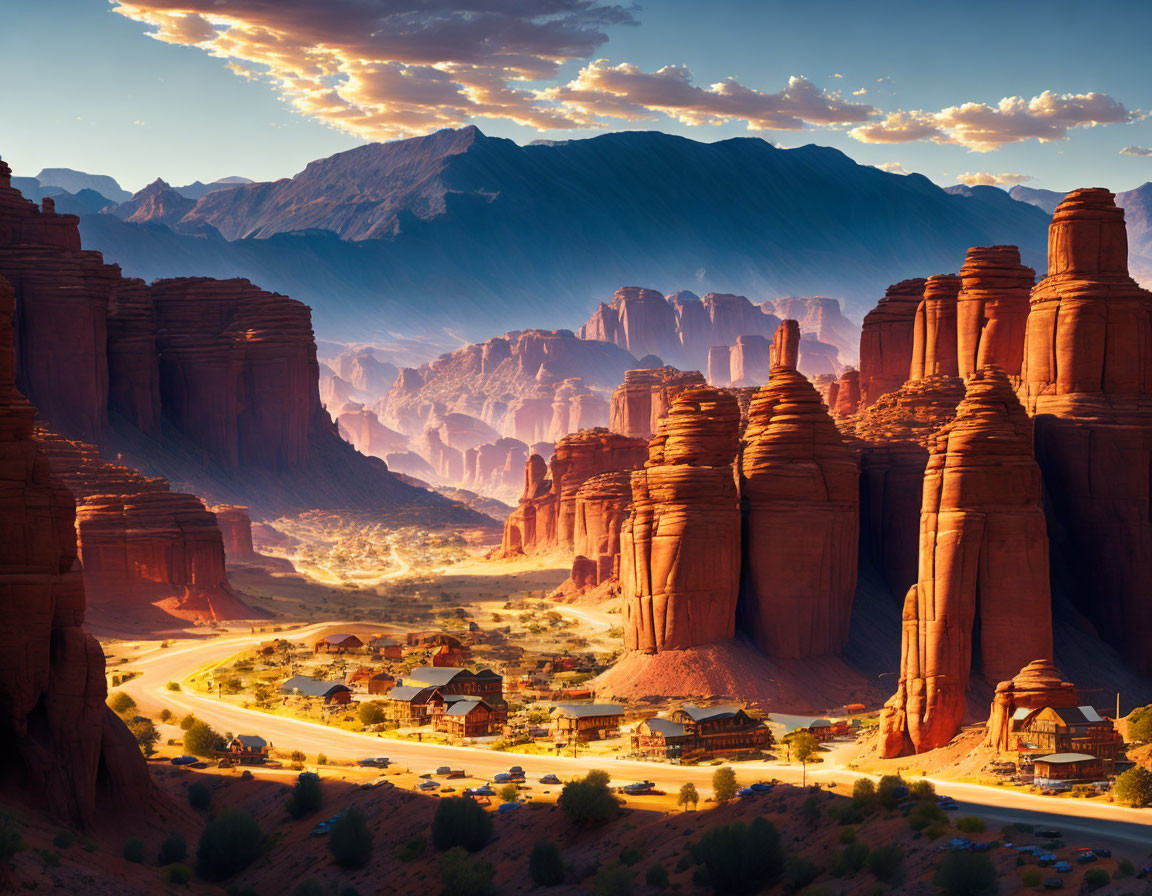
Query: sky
x,y
1052,94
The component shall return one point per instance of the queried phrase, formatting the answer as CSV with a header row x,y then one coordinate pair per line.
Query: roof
x,y
341,638
381,676
1066,758
251,741
312,687
588,710
703,713
462,707
821,723
406,692
666,727
434,676
384,641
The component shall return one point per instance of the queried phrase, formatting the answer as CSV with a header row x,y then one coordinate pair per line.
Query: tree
x,y
923,790
462,822
1134,787
886,862
229,844
1140,724
202,740
463,875
146,735
122,704
371,713
688,795
804,747
306,796
187,722
741,858
588,802
889,790
657,877
545,864
350,840
863,793
724,784
509,793
173,849
966,874
199,795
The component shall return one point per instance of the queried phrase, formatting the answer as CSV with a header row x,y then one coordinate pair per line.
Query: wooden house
x,y
465,717
380,683
248,749
329,691
1066,730
338,643
1067,768
585,721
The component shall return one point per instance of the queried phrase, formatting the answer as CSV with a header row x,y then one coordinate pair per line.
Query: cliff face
x,y
824,319
798,488
64,748
601,509
680,548
644,397
982,603
992,310
886,340
934,329
1087,377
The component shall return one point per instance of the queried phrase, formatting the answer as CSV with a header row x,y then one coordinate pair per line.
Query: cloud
x,y
981,127
985,179
891,167
1139,151
860,92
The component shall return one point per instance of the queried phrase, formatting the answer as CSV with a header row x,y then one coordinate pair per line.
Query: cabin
x,y
429,639
339,644
407,705
658,738
332,692
454,680
465,717
585,721
724,730
380,683
1066,730
386,648
1067,768
248,749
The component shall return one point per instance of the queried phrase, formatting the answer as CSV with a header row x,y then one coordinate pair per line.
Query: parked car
x,y
1101,852
638,788
507,807
325,826
1085,857
1062,867
485,790
1047,860
745,792
374,762
1049,834
762,788
549,779
959,844
184,760
429,785
448,790
1053,883
502,778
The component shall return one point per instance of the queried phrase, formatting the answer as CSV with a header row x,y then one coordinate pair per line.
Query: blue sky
x,y
87,88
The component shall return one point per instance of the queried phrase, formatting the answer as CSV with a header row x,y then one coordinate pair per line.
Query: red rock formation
x,y
133,364
886,340
64,748
719,365
639,320
992,310
680,548
847,393
1087,376
982,603
750,362
601,508
1037,685
236,529
361,427
644,397
798,488
822,318
934,333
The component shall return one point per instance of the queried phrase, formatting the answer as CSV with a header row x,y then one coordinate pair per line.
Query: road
x,y
1130,829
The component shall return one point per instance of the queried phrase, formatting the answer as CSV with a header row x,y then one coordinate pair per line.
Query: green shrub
x,y
848,835
864,792
122,704
49,858
64,840
588,802
350,840
613,880
230,843
200,739
886,862
412,849
463,875
134,851
936,831
886,790
849,860
173,849
371,713
1095,878
740,858
657,877
306,796
966,874
166,715
1134,787
1140,724
173,686
199,795
178,874
811,809
630,855
461,822
509,793
798,873
1032,877
187,722
925,814
1125,868
923,790
970,824
545,864
724,784
146,735
321,759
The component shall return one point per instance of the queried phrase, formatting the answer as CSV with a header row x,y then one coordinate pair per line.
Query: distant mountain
x,y
474,234
199,189
85,202
1045,199
157,202
75,181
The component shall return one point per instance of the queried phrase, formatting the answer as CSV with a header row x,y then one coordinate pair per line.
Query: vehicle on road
x,y
1047,860
429,785
549,779
1053,883
1062,867
762,788
638,787
502,778
1101,852
184,760
1085,857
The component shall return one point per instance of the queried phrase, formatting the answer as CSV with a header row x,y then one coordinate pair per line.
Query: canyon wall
x,y
992,310
644,397
934,329
886,339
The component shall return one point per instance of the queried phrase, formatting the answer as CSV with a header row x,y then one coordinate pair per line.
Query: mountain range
x,y
486,234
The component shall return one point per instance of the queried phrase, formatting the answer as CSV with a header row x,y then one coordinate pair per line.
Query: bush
x,y
966,874
199,795
740,858
173,849
970,824
166,715
122,704
321,759
201,740
134,851
545,864
588,802
509,793
688,795
306,796
849,860
464,876
886,863
886,790
350,840
461,822
178,874
864,792
613,880
1140,724
1095,878
1125,868
657,877
848,835
187,722
724,785
64,840
798,873
371,713
229,844
925,814
412,849
1134,787
1032,877
630,855
146,735
923,790
173,686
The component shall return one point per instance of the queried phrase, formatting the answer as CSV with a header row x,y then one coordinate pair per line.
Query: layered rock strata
x,y
992,310
645,396
934,329
886,339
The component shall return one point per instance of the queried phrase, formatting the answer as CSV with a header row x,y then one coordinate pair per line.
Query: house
x,y
407,705
1066,730
330,691
380,683
248,749
585,721
1067,768
465,717
447,655
339,643
386,648
429,639
658,738
724,730
454,680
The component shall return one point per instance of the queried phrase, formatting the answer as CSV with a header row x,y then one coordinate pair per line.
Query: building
x,y
464,717
658,738
386,648
454,680
448,656
330,691
1066,730
380,683
700,732
339,643
429,639
407,705
248,749
1067,768
585,721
